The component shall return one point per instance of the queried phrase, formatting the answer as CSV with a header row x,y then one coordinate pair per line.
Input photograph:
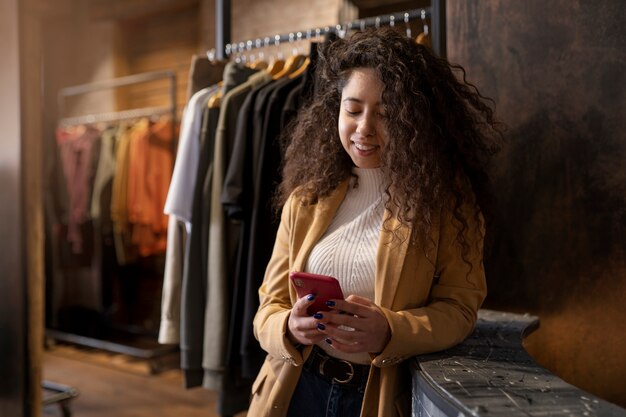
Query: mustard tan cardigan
x,y
428,293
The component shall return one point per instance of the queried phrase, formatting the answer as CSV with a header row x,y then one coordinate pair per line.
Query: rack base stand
x,y
155,358
62,395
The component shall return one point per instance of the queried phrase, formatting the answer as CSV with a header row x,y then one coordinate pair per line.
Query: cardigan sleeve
x,y
270,322
457,292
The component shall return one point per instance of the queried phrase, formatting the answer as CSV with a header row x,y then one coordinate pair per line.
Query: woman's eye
x,y
353,112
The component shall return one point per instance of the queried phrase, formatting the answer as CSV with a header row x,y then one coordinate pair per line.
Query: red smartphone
x,y
322,286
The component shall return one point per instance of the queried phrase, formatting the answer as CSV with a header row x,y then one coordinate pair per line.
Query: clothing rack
x,y
116,83
436,12
158,356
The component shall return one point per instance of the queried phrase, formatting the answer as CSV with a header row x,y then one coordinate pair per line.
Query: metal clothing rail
x,y
116,83
114,116
339,29
436,12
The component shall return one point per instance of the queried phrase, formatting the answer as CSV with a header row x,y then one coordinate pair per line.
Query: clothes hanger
x,y
250,59
293,62
424,37
216,99
407,26
275,66
210,54
302,68
277,63
258,62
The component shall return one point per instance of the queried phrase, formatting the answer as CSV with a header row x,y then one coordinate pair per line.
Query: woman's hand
x,y
355,325
301,327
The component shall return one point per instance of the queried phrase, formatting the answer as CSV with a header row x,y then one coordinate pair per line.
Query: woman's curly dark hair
x,y
441,131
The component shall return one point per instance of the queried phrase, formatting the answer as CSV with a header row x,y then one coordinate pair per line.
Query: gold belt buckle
x,y
350,373
340,381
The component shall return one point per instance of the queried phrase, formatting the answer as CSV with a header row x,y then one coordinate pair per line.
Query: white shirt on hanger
x,y
180,194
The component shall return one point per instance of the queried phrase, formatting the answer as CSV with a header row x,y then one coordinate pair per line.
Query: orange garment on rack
x,y
151,161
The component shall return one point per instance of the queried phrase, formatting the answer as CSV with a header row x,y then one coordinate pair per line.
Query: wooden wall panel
x,y
129,9
153,43
252,19
556,71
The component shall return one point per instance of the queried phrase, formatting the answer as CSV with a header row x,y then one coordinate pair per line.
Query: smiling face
x,y
361,118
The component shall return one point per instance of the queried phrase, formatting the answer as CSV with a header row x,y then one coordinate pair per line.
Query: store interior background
x,y
555,69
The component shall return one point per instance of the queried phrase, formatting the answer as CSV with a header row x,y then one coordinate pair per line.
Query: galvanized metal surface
x,y
490,374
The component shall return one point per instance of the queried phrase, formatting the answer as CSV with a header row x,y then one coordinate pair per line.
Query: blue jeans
x,y
316,396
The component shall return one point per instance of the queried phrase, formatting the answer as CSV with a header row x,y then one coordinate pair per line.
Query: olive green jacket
x,y
428,293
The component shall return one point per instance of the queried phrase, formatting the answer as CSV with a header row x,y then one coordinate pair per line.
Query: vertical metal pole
x,y
222,27
174,114
438,26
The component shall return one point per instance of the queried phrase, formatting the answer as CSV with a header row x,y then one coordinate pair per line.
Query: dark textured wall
x,y
557,70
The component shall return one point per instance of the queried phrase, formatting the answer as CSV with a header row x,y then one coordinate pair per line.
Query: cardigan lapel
x,y
321,215
389,259
391,248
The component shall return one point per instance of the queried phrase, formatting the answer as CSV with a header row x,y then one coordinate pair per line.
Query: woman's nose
x,y
366,126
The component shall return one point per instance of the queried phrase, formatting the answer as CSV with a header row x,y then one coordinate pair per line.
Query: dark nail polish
x,y
327,340
321,326
318,316
330,303
310,297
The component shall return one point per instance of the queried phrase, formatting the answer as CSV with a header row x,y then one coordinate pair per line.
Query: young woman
x,y
384,188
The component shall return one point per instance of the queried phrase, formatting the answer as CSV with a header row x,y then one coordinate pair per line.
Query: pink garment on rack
x,y
78,149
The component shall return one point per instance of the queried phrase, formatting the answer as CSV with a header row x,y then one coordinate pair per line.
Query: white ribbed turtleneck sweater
x,y
347,251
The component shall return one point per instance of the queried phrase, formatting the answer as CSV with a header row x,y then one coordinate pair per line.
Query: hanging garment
x,y
178,207
193,287
223,239
180,194
194,272
237,206
203,73
264,223
125,251
215,288
77,283
151,162
79,150
100,207
169,326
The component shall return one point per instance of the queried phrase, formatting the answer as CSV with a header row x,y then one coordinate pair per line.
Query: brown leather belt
x,y
336,370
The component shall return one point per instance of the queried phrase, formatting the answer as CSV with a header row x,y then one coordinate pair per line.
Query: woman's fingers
x,y
301,305
355,325
302,328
